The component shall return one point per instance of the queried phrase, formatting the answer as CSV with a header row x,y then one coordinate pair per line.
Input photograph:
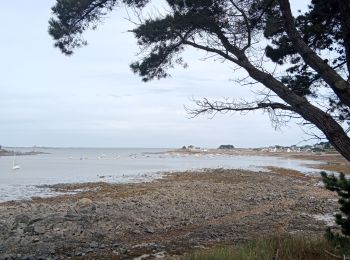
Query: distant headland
x,y
6,152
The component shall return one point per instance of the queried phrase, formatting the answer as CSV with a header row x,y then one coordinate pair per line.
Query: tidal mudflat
x,y
79,165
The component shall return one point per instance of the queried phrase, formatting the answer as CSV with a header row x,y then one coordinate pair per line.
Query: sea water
x,y
79,165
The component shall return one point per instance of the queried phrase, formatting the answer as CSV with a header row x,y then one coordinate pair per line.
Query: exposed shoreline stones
x,y
164,217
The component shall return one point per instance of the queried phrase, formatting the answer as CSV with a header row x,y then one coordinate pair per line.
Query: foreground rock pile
x,y
162,218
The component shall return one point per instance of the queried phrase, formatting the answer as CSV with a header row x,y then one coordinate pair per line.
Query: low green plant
x,y
287,247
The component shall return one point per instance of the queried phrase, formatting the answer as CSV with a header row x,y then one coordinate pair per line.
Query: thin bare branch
x,y
247,23
205,106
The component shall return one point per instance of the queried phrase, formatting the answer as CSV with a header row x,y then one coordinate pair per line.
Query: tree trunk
x,y
331,129
340,86
344,6
323,121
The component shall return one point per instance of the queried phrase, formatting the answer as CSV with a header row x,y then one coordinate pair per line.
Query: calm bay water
x,y
72,165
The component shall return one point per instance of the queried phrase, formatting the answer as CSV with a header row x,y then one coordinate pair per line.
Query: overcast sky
x,y
92,99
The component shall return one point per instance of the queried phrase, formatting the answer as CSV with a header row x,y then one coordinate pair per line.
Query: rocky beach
x,y
180,130
164,218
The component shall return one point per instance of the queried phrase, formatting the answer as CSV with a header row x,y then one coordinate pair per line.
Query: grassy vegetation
x,y
286,248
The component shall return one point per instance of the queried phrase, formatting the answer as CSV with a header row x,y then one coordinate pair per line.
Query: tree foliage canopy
x,y
311,51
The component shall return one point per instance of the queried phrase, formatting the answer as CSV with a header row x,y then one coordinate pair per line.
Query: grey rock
x,y
4,231
93,244
71,213
29,229
39,230
123,250
84,206
88,251
21,220
150,230
32,221
160,255
13,240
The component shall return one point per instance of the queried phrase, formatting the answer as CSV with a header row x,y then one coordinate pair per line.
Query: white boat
x,y
15,166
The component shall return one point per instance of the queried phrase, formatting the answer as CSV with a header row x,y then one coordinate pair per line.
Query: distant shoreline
x,y
4,152
332,160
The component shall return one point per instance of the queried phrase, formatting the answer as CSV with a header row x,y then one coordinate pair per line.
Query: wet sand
x,y
331,160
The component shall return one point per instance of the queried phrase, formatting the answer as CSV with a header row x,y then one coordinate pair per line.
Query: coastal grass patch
x,y
287,247
336,167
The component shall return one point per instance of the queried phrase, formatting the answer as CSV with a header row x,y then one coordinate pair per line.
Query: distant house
x,y
306,148
193,148
322,146
318,146
273,149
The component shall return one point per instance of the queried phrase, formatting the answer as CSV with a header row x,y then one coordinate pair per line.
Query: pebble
x,y
150,230
159,255
88,251
93,244
142,257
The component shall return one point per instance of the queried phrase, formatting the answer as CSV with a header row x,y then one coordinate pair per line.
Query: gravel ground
x,y
163,218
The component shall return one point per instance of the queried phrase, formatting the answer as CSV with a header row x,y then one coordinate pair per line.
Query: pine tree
x,y
310,52
341,185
